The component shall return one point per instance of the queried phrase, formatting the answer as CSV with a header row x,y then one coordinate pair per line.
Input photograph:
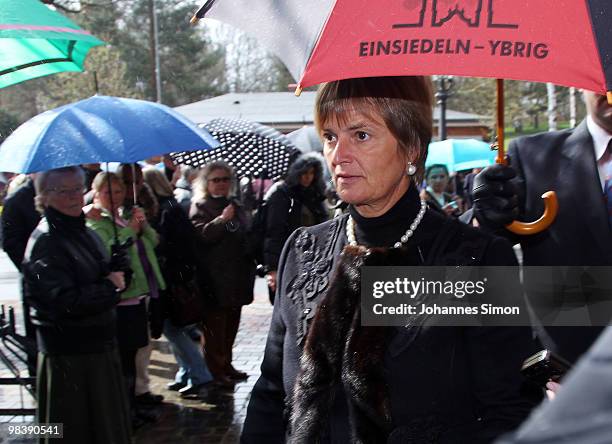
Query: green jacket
x,y
139,284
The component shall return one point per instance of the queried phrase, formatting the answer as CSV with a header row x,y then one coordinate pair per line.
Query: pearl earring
x,y
410,169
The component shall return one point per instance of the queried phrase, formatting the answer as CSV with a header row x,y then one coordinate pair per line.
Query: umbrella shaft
x,y
134,183
501,155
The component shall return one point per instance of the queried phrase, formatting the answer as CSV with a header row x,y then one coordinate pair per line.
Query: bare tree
x,y
249,68
551,111
572,106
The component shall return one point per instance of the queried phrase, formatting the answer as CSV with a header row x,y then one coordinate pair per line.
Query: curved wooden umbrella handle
x,y
551,204
551,207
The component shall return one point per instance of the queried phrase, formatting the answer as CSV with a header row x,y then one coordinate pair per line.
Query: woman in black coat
x,y
327,378
298,201
69,283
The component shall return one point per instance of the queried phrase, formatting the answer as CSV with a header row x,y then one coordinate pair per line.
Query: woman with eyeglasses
x,y
226,266
74,287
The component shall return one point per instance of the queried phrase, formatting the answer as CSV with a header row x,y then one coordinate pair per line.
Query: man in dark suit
x,y
573,163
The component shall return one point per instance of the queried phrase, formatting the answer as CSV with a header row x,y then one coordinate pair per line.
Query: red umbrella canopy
x,y
560,41
567,42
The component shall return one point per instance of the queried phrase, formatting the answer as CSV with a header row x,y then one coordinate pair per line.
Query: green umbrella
x,y
36,41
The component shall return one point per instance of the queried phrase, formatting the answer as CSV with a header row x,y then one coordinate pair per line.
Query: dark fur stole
x,y
339,350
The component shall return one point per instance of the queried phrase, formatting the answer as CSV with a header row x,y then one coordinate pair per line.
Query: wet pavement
x,y
216,416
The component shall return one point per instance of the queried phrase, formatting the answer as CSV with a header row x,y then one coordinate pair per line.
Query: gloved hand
x,y
495,196
120,260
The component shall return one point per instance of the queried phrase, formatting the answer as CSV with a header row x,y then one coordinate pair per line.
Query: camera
x,y
261,270
545,366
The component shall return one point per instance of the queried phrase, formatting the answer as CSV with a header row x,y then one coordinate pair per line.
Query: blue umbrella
x,y
100,129
460,154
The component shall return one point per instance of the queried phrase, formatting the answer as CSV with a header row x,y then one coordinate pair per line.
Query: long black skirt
x,y
87,394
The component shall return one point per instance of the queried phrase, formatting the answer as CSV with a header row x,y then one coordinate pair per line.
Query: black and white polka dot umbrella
x,y
251,148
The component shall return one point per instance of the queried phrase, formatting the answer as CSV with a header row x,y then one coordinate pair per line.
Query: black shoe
x,y
191,390
138,423
236,375
224,382
175,386
146,415
149,399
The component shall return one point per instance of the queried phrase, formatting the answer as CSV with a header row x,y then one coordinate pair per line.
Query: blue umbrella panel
x,y
100,129
460,154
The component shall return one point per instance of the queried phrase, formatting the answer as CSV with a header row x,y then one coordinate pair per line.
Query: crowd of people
x,y
112,260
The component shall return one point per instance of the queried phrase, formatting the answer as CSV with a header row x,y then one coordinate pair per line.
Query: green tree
x,y
8,123
192,66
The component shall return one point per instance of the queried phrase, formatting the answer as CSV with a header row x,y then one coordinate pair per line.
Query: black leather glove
x,y
120,259
495,196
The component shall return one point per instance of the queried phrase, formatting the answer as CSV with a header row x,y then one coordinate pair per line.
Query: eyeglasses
x,y
68,191
225,179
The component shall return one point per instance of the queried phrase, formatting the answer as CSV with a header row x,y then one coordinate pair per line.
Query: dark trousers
x,y
220,329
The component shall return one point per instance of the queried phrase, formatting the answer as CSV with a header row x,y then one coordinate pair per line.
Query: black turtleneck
x,y
73,227
63,222
219,202
387,229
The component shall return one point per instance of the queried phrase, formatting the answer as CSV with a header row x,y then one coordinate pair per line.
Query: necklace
x,y
350,228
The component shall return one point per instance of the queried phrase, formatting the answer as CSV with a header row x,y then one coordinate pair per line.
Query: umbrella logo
x,y
443,11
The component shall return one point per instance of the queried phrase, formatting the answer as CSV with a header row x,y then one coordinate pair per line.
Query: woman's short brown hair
x,y
404,103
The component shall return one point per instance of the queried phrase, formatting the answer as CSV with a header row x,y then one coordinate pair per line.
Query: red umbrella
x,y
567,42
560,41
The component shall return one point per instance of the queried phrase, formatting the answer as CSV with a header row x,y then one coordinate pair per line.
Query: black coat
x,y
447,384
65,269
284,215
226,267
177,238
19,218
563,161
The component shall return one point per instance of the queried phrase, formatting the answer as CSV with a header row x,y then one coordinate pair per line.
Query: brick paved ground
x,y
219,415
216,417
